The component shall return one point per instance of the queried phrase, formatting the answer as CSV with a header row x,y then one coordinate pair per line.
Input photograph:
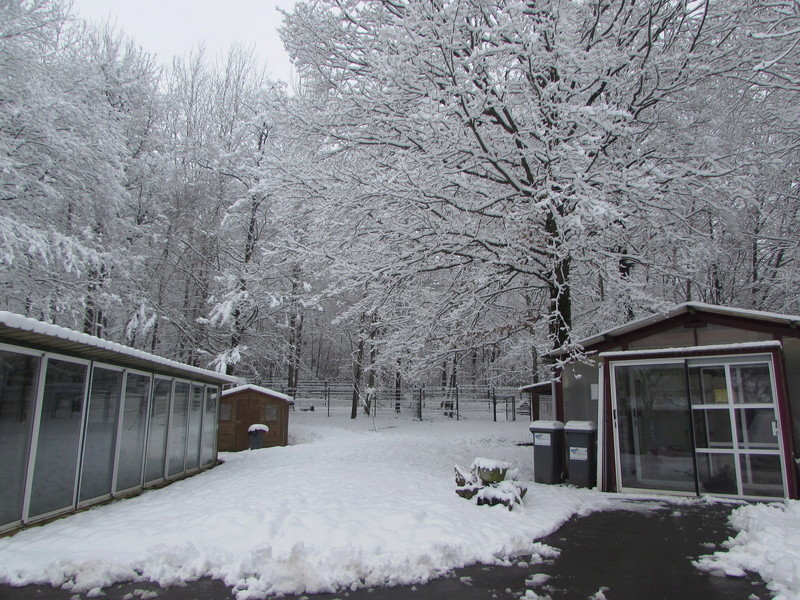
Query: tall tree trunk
x,y
357,368
560,300
240,323
398,381
373,355
295,333
558,287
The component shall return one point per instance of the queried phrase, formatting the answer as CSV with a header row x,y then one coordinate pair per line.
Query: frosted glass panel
x,y
54,474
757,428
195,423
209,442
101,433
712,428
157,439
17,395
751,384
717,473
708,385
134,430
177,429
761,475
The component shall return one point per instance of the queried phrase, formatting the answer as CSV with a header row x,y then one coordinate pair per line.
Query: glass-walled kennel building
x,y
83,420
700,399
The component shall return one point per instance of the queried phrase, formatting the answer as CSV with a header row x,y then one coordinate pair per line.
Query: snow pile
x,y
347,508
768,543
505,493
257,427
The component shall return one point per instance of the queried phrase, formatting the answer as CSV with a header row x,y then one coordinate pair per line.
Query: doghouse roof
x,y
261,390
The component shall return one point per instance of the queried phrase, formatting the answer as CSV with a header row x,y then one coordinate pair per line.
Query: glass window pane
x,y
757,428
708,385
177,429
712,428
157,439
654,427
716,473
97,468
761,475
209,442
17,395
134,430
751,384
195,424
53,485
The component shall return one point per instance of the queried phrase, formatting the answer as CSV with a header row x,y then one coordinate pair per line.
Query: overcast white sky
x,y
172,27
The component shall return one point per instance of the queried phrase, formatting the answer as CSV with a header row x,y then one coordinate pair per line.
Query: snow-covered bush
x,y
486,482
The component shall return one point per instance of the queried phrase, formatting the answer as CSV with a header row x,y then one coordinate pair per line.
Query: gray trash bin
x,y
257,431
548,451
582,453
256,439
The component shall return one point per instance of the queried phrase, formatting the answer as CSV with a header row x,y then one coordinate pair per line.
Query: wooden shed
x,y
247,405
700,399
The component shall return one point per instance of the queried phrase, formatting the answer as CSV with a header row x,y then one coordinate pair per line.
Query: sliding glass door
x,y
698,426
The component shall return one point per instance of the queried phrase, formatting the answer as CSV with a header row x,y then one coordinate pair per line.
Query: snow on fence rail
x,y
478,402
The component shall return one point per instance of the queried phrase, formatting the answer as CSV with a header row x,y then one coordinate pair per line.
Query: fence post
x,y
494,405
327,398
457,407
419,402
514,407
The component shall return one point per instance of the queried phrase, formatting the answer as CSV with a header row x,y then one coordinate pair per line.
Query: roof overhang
x,y
710,350
45,337
543,387
687,308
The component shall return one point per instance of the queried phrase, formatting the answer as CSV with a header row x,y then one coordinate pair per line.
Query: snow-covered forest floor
x,y
344,506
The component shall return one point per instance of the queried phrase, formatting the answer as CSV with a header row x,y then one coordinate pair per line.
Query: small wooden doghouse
x,y
246,405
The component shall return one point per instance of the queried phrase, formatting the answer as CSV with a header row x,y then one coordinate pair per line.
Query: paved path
x,y
633,555
643,553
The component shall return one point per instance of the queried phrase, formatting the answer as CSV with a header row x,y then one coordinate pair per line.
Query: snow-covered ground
x,y
768,543
344,507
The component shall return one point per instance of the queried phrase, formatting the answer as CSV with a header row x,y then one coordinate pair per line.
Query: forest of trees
x,y
451,189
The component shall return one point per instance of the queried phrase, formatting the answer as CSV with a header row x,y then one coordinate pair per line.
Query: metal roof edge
x,y
27,324
693,349
539,384
793,321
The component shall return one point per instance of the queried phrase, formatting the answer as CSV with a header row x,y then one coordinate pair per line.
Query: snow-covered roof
x,y
541,387
689,307
257,388
16,328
